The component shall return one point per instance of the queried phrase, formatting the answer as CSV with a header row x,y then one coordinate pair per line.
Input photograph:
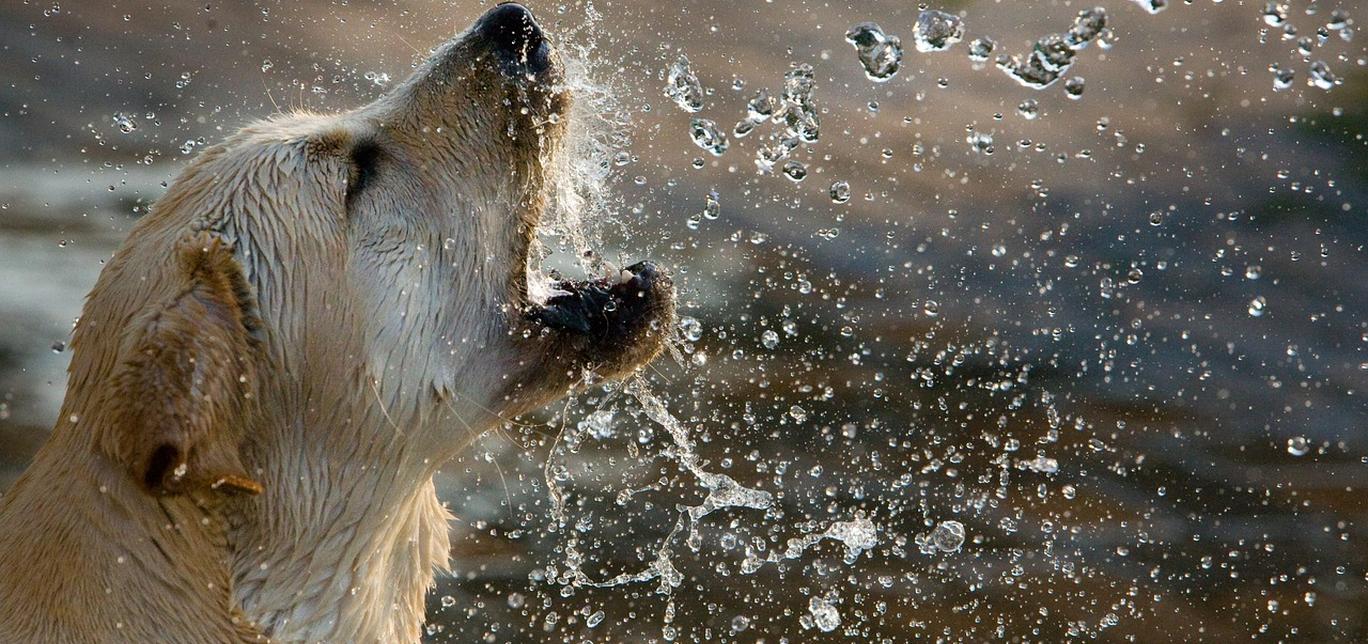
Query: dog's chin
x,y
609,326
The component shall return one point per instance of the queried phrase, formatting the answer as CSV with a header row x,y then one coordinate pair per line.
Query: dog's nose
x,y
511,30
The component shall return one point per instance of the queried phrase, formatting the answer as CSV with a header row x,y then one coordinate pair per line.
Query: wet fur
x,y
271,369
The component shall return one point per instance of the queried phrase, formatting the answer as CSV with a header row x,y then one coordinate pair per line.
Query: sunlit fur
x,y
386,332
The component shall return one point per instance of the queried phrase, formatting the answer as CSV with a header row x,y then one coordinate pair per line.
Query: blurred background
x,y
1126,351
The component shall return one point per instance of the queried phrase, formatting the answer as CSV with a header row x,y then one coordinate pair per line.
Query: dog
x,y
319,312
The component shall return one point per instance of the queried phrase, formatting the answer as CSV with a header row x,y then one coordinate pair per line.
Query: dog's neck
x,y
339,548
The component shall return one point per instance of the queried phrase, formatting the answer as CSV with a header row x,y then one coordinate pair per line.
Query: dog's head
x,y
367,270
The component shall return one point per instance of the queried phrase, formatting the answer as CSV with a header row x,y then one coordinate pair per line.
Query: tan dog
x,y
319,312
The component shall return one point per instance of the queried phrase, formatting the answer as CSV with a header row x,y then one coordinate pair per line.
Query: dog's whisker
x,y
383,410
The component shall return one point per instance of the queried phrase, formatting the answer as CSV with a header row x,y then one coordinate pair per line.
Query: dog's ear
x,y
187,379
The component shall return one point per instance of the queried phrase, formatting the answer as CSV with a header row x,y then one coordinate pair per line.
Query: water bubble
x,y
840,191
824,615
769,339
516,600
448,601
1257,306
795,170
622,158
1073,87
1298,446
937,30
1319,75
266,65
683,87
740,623
124,122
379,79
1029,109
879,53
1253,272
705,135
595,619
980,49
947,537
932,308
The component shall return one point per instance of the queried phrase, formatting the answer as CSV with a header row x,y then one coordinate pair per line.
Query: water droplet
x,y
937,30
769,339
1152,6
981,49
1029,109
840,191
1274,14
712,207
1319,75
125,123
379,79
1298,446
683,87
980,142
932,308
948,537
1073,87
691,328
760,107
1257,306
1088,26
880,54
824,616
796,171
705,135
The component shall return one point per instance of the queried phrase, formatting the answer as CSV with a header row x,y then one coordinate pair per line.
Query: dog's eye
x,y
365,159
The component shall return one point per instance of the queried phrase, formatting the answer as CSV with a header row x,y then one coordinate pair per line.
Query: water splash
x,y
722,492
